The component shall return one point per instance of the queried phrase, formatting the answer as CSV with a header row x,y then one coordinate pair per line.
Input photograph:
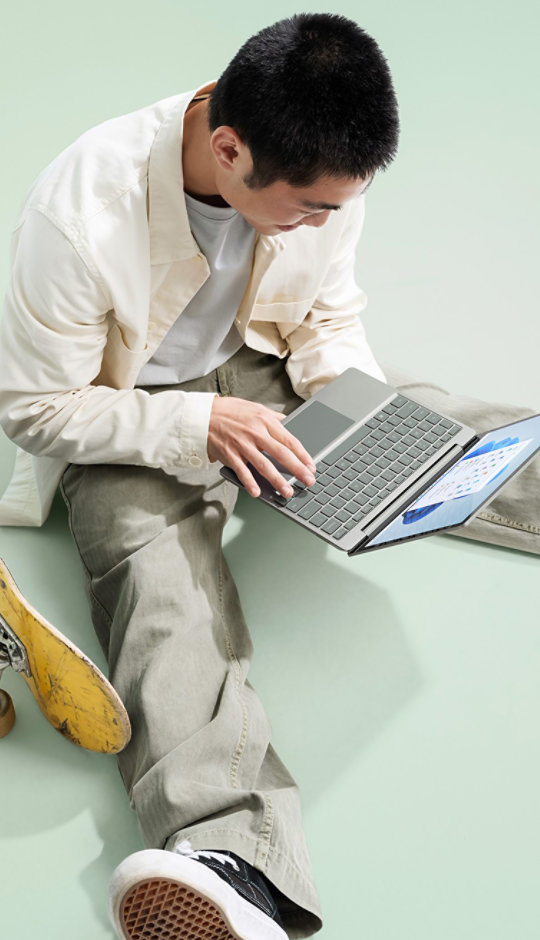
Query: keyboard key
x,y
309,510
400,447
407,408
330,526
372,490
297,502
332,472
339,533
333,490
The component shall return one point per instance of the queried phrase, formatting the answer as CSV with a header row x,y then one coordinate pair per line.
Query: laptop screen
x,y
462,490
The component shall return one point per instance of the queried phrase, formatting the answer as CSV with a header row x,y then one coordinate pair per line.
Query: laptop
x,y
389,469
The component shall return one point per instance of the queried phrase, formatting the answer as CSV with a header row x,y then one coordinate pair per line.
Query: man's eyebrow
x,y
318,205
328,206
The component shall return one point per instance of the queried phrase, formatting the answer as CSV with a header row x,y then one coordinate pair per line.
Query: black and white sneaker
x,y
192,895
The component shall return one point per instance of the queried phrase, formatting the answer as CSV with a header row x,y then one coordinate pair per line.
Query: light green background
x,y
402,686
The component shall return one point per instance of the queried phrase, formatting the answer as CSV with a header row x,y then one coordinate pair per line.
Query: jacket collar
x,y
170,234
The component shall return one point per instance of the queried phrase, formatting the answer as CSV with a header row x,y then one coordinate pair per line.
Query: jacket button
x,y
195,461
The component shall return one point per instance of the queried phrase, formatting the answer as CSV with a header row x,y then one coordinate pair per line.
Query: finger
x,y
246,478
269,471
293,444
290,463
290,453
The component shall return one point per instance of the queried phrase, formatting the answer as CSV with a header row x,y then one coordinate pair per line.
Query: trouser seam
x,y
510,523
233,659
93,596
265,835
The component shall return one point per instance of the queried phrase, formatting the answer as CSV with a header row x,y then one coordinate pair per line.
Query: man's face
x,y
279,207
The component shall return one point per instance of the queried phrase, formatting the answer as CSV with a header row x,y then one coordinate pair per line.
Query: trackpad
x,y
317,426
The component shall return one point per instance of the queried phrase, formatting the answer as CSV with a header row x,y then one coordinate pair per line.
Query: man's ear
x,y
227,148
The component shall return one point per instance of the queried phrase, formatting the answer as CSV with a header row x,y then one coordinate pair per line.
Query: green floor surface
x,y
403,686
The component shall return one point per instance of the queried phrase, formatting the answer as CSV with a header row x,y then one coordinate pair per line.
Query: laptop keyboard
x,y
359,474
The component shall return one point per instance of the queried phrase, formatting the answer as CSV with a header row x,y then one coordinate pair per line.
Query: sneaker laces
x,y
185,848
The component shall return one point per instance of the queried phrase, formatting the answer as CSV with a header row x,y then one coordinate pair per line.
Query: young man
x,y
183,277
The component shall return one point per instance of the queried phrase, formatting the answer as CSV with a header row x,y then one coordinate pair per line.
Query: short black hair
x,y
310,96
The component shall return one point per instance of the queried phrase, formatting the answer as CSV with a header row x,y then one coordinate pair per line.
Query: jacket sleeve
x,y
54,330
332,338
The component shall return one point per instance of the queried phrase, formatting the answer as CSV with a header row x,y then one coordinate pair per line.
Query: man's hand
x,y
241,430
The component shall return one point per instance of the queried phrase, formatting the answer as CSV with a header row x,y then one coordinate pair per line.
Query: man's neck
x,y
197,161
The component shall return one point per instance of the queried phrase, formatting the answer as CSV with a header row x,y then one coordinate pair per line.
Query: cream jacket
x,y
103,263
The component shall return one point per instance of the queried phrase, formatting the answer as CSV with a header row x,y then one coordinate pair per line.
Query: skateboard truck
x,y
72,693
12,653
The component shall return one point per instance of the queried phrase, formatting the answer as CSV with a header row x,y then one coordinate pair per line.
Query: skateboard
x,y
72,693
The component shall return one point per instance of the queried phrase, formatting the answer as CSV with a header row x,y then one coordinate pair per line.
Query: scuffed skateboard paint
x,y
70,690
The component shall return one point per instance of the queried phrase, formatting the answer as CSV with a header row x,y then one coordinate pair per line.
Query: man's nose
x,y
317,219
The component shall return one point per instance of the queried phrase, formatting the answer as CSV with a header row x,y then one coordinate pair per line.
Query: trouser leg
x,y
513,518
200,764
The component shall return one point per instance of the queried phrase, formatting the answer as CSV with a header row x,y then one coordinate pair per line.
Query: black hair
x,y
310,96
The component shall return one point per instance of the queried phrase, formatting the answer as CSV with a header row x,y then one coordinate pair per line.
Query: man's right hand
x,y
242,432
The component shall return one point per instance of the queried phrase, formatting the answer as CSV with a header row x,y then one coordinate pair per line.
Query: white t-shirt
x,y
204,336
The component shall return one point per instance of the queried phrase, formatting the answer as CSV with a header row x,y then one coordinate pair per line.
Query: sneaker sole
x,y
166,909
157,895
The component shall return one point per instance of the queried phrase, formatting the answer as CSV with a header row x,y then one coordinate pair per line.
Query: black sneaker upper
x,y
247,881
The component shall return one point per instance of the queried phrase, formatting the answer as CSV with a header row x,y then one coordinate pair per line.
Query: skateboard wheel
x,y
7,714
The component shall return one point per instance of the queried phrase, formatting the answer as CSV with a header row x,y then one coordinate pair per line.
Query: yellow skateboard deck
x,y
72,693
